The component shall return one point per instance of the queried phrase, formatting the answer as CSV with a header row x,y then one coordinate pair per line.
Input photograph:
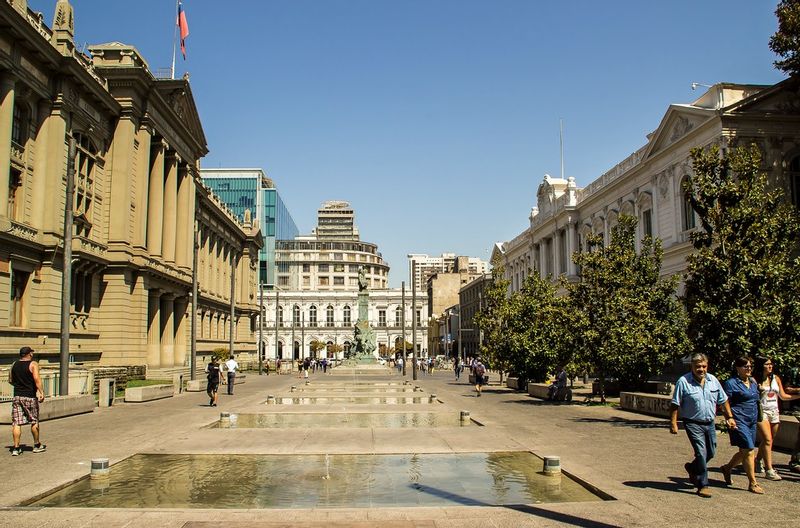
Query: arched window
x,y
296,315
687,213
346,314
280,315
794,180
312,316
329,316
280,349
398,316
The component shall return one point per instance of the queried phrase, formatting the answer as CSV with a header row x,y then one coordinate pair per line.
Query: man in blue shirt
x,y
696,398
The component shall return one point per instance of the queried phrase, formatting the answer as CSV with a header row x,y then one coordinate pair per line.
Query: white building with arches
x,y
648,183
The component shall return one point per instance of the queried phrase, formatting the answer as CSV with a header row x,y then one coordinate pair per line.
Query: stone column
x,y
122,160
142,176
41,159
183,220
167,330
7,82
181,328
543,257
154,328
170,207
572,247
155,204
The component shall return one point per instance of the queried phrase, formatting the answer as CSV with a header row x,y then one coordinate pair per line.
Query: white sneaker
x,y
771,474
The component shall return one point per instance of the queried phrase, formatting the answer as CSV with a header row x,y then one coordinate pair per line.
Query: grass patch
x,y
141,383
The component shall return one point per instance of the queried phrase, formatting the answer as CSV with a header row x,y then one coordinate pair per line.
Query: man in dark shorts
x,y
28,393
214,377
480,375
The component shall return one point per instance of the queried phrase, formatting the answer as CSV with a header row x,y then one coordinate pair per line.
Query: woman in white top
x,y
770,389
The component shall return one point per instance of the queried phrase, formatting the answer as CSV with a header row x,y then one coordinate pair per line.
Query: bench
x,y
646,403
514,383
485,378
149,393
538,390
55,407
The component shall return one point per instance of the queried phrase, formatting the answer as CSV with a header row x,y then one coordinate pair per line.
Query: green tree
x,y
743,280
628,324
491,320
786,41
315,347
537,330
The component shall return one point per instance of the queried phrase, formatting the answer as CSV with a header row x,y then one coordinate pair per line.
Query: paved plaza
x,y
630,457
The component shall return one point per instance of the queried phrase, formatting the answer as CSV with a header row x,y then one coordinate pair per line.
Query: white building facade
x,y
421,266
648,183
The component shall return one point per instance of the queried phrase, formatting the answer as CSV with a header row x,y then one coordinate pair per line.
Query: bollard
x,y
552,466
225,418
433,398
417,388
270,399
99,468
293,389
308,382
465,416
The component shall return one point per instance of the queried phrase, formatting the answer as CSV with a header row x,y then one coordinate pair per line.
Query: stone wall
x,y
653,404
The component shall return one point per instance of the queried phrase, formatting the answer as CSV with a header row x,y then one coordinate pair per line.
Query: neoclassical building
x,y
138,200
317,291
648,183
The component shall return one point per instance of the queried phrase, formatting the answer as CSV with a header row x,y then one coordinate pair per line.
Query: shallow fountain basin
x,y
322,481
356,400
350,388
307,420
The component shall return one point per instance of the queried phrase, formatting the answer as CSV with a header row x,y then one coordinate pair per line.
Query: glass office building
x,y
250,189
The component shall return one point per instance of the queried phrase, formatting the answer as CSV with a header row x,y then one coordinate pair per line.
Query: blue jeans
x,y
231,379
703,438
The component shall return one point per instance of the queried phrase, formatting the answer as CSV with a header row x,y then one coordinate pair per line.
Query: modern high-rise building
x,y
251,190
421,266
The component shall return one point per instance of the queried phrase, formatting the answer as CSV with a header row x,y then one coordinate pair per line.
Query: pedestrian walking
x,y
742,391
770,389
480,375
695,399
231,366
28,394
214,377
457,368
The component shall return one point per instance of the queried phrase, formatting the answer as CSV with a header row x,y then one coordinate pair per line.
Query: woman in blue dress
x,y
742,391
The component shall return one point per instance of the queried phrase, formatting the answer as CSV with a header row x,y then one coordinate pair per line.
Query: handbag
x,y
760,415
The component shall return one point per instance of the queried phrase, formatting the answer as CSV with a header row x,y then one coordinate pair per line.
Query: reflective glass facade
x,y
243,189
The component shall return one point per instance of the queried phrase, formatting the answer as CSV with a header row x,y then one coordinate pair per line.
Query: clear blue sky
x,y
436,119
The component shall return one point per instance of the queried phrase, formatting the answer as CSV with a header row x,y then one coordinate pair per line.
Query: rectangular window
x,y
353,268
324,281
323,268
283,280
338,268
353,281
338,281
19,286
306,280
338,256
283,267
306,268
381,317
647,223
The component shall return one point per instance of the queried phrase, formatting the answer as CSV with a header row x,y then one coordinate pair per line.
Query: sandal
x,y
726,473
755,488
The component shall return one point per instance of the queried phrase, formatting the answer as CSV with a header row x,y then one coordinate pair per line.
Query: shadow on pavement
x,y
675,485
624,422
566,518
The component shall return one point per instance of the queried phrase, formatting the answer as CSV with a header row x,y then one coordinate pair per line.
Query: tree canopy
x,y
786,41
743,280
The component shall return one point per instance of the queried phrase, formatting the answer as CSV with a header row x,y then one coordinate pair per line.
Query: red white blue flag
x,y
184,28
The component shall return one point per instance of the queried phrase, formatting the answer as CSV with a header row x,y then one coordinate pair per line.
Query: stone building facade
x,y
648,183
138,141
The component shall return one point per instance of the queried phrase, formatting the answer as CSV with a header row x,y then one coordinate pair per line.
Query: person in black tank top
x,y
28,393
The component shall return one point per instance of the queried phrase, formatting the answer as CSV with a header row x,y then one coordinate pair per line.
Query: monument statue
x,y
364,335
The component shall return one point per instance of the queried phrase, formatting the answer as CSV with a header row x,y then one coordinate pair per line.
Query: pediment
x,y
177,94
782,98
676,123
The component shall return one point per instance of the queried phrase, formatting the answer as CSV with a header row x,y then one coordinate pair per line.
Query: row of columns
x,y
555,252
167,329
216,325
217,260
170,206
7,82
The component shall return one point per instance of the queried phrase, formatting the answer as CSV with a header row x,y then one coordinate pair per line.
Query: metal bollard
x,y
99,468
270,399
293,389
552,466
465,416
433,398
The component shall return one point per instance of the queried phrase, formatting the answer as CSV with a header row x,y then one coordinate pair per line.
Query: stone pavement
x,y
631,457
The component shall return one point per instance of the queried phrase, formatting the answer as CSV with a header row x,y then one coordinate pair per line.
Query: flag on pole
x,y
184,28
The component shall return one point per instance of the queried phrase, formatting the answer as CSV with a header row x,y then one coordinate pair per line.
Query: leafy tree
x,y
743,280
491,320
627,321
786,41
537,330
316,346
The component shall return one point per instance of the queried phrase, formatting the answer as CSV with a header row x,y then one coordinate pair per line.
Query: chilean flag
x,y
184,28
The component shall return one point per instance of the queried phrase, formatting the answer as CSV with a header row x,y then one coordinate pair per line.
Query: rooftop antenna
x,y
561,142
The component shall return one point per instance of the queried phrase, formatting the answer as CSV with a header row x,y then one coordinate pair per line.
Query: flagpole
x,y
174,40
